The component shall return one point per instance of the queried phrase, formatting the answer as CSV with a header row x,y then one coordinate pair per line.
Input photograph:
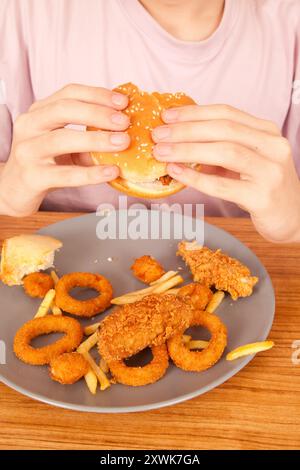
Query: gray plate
x,y
248,320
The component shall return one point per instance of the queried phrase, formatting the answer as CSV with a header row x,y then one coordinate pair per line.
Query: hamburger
x,y
141,175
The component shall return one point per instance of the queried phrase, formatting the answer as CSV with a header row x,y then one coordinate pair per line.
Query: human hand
x,y
245,160
46,155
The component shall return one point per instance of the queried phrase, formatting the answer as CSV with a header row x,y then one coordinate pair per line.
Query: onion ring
x,y
198,361
83,308
138,376
68,368
37,284
42,326
199,294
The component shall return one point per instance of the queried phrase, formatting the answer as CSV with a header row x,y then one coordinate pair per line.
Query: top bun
x,y
140,172
25,254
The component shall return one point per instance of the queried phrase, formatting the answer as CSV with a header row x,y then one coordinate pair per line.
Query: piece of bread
x,y
25,254
141,174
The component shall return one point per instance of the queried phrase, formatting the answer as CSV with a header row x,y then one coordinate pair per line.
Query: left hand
x,y
250,163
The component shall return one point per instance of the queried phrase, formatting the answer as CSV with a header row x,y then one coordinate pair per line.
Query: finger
x,y
56,176
67,141
218,111
232,190
263,143
63,112
88,94
228,155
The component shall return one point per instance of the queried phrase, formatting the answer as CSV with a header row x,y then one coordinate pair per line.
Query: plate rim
x,y
151,406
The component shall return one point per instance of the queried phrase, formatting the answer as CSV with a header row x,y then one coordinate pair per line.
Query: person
x,y
239,60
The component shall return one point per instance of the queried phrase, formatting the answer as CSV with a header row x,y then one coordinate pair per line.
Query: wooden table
x,y
259,408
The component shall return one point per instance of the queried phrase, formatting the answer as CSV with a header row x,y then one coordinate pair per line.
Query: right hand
x,y
45,155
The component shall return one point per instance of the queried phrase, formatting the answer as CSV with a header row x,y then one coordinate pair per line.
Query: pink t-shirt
x,y
250,62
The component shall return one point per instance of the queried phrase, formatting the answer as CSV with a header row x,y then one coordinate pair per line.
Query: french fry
x,y
54,277
90,329
247,349
103,380
103,366
45,304
166,285
215,301
156,289
174,291
147,290
88,343
165,282
164,277
91,381
56,310
198,344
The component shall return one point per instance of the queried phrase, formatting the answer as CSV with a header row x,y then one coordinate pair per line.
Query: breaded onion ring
x,y
83,308
199,294
198,361
148,374
68,368
43,326
147,269
37,284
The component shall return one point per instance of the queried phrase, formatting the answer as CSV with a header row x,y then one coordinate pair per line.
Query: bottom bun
x,y
154,190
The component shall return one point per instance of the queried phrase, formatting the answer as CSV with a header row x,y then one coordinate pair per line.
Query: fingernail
x,y
170,114
118,138
109,171
119,118
118,99
162,132
162,150
175,169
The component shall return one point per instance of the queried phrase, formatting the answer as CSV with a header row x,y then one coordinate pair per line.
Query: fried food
x,y
198,294
159,287
46,304
138,376
103,380
147,269
248,349
198,361
43,326
83,308
91,381
214,268
148,322
68,368
37,284
89,343
215,301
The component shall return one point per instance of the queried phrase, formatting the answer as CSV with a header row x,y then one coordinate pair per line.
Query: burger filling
x,y
165,180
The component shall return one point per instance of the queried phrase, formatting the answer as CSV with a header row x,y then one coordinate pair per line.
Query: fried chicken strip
x,y
148,322
214,268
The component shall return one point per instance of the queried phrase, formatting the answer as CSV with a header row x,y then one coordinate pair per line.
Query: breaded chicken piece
x,y
214,268
68,368
147,269
147,322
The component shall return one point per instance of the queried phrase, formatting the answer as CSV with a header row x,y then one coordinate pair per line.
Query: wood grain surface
x,y
259,408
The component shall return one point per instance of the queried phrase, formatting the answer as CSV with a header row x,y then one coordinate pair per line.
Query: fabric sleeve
x,y
15,85
291,129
